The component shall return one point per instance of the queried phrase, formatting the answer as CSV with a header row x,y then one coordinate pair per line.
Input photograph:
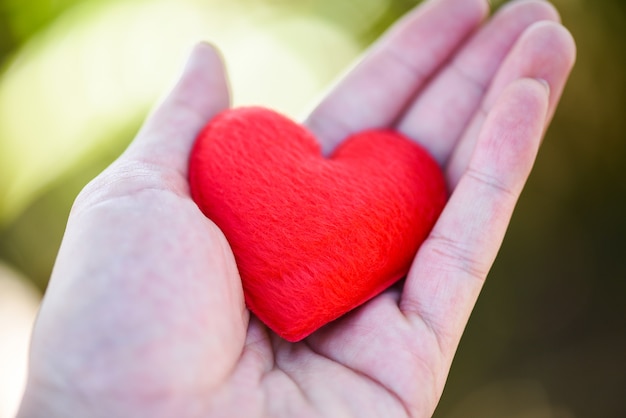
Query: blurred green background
x,y
548,336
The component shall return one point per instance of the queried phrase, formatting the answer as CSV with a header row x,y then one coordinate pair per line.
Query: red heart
x,y
313,237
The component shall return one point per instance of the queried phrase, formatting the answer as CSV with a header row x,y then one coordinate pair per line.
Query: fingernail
x,y
544,83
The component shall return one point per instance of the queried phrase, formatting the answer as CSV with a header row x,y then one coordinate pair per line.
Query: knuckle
x,y
456,257
489,181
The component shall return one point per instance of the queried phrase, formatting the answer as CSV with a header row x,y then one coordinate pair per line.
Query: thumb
x,y
167,136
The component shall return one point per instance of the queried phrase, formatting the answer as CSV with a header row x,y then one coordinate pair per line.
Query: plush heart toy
x,y
313,237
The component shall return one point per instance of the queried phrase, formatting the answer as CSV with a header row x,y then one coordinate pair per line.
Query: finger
x,y
375,92
452,264
169,133
444,109
545,51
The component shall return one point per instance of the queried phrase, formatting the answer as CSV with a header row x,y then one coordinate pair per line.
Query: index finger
x,y
380,87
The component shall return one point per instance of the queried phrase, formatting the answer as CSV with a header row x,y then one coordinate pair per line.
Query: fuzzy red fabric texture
x,y
313,237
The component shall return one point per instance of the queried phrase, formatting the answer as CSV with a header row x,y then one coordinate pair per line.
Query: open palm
x,y
144,314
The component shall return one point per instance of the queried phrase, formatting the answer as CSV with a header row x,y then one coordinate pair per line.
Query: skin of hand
x,y
144,315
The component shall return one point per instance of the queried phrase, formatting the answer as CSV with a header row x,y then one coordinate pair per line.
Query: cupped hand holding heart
x,y
313,237
145,309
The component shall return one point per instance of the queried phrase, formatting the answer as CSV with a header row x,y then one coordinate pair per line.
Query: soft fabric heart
x,y
313,237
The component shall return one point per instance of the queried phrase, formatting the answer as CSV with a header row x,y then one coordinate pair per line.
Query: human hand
x,y
144,314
